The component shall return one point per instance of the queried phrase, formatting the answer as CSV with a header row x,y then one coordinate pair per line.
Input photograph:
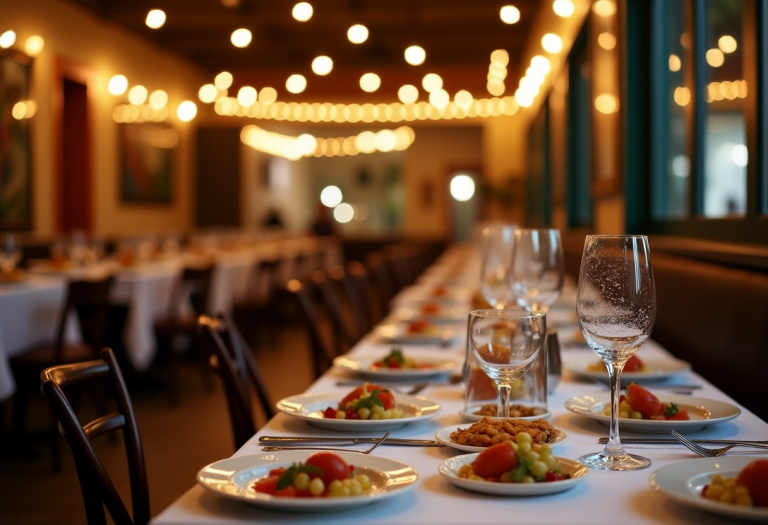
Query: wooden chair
x,y
385,284
90,300
176,331
344,336
320,354
255,312
95,484
361,279
233,361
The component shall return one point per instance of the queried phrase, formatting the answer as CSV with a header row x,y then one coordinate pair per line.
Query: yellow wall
x,y
79,36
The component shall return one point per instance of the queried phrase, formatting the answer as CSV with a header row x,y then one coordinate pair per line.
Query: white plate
x,y
309,407
444,313
684,480
234,477
449,469
703,412
398,333
439,365
660,368
444,437
468,415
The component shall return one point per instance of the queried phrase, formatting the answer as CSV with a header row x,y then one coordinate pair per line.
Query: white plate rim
x,y
467,416
577,405
446,332
578,365
361,366
355,425
682,472
218,478
448,468
444,436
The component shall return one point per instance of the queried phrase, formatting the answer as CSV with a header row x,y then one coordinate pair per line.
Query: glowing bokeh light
x,y
267,95
431,82
675,63
117,85
408,94
509,14
207,93
186,111
247,96
137,95
357,34
322,65
604,8
715,57
727,44
551,43
563,8
158,99
296,84
343,213
241,37
415,55
370,82
7,39
331,196
462,188
34,45
155,19
302,11
606,103
606,41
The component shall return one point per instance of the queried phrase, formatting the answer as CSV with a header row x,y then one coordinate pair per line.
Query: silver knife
x,y
666,441
286,440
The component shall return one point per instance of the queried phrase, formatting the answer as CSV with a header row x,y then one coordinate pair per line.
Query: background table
x,y
604,497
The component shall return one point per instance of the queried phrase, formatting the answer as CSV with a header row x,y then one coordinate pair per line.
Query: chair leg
x,y
55,443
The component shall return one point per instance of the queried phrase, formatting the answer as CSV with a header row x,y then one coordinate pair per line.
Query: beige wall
x,y
76,35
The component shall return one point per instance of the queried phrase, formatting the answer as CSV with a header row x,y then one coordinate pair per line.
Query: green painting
x,y
147,151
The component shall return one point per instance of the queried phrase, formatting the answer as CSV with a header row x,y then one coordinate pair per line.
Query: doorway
x,y
74,184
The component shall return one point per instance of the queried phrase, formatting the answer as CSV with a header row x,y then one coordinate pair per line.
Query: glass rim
x,y
506,312
618,236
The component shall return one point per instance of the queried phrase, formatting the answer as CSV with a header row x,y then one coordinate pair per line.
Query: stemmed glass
x,y
616,307
538,269
497,242
505,343
10,255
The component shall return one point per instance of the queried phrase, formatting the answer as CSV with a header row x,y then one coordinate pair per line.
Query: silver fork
x,y
379,442
711,452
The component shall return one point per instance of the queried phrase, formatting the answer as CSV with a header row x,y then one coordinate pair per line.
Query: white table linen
x,y
604,498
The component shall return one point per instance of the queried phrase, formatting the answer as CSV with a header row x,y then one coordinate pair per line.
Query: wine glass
x,y
10,255
505,343
497,241
538,269
616,307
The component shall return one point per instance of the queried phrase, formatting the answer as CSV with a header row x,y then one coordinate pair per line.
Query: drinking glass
x,y
10,255
616,307
538,269
504,344
77,248
497,242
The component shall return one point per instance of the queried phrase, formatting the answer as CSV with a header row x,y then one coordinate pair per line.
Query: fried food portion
x,y
489,431
514,411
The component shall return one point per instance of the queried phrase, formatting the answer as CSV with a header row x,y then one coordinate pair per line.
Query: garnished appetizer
x,y
430,308
324,474
440,291
748,489
396,360
633,365
519,461
421,327
639,403
366,402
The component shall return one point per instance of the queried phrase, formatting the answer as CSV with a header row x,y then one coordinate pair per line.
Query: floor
x,y
178,440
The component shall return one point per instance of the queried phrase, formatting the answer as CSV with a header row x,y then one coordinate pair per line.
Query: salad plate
x,y
684,480
449,469
432,311
444,437
402,333
310,407
468,414
426,366
233,478
656,369
703,412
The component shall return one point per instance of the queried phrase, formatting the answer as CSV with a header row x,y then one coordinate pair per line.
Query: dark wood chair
x,y
90,300
362,281
254,313
344,336
95,483
355,300
385,283
176,332
321,356
233,361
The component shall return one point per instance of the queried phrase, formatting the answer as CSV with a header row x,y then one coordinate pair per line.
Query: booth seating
x,y
711,314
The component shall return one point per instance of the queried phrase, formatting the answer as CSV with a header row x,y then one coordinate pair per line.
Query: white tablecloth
x,y
604,498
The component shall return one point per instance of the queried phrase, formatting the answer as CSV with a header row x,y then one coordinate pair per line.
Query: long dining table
x,y
602,498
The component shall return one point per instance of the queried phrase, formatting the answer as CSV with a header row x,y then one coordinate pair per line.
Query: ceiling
x,y
458,36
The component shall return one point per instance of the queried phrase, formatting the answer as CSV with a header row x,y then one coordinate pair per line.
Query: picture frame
x,y
147,151
16,149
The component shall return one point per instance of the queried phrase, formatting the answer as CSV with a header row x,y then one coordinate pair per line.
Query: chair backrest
x,y
239,372
97,487
319,352
90,299
385,283
362,281
198,282
343,333
263,280
354,297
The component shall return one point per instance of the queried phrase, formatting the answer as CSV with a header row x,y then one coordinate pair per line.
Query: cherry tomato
x,y
351,414
287,492
552,476
330,413
633,365
277,472
681,415
430,308
643,401
755,477
384,395
495,461
418,326
387,399
267,485
356,393
332,465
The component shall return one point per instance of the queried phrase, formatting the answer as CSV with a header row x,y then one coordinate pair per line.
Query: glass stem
x,y
503,401
614,448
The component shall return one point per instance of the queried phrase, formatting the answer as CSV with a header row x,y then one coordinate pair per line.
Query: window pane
x,y
672,109
726,156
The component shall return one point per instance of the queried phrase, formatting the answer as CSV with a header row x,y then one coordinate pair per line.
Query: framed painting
x,y
16,111
146,164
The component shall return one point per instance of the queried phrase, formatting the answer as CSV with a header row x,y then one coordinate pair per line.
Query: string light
x,y
322,65
129,113
675,63
117,85
497,72
509,14
155,19
302,11
24,109
137,95
158,99
551,43
415,55
241,38
431,82
682,96
606,41
408,94
296,84
208,93
563,8
186,111
7,39
604,8
726,90
370,82
246,96
606,103
439,98
357,34
34,45
715,57
223,80
727,44
267,95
